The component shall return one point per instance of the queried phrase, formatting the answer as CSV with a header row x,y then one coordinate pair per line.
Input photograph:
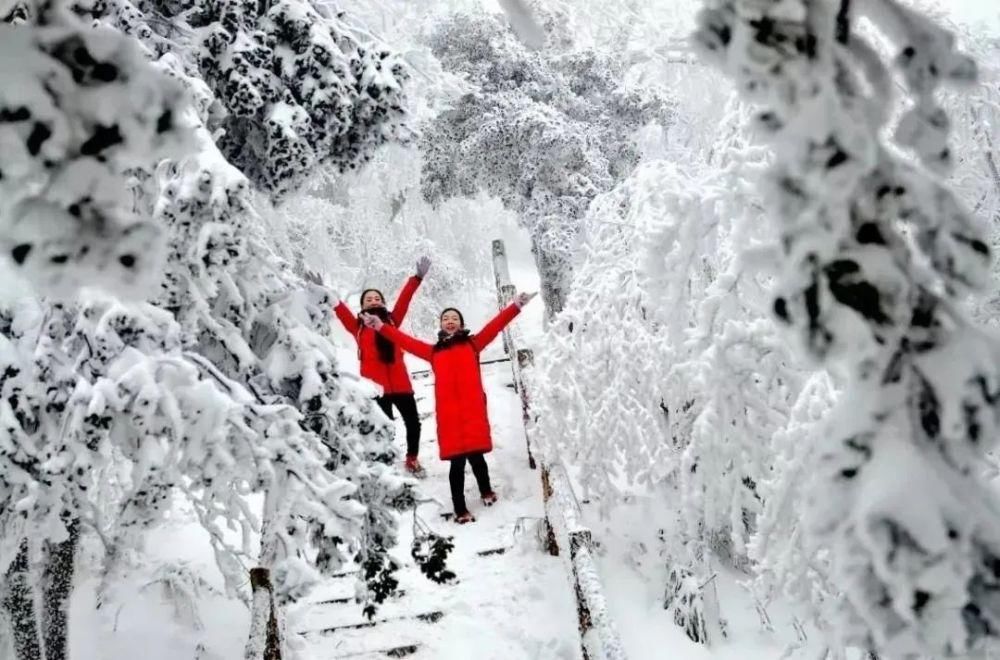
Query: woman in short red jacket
x,y
460,401
382,361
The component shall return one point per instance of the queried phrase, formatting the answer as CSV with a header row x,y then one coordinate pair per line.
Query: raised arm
x,y
421,349
482,339
347,318
342,311
405,297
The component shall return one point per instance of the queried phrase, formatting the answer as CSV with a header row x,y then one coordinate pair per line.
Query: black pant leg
x,y
481,471
456,479
406,404
385,403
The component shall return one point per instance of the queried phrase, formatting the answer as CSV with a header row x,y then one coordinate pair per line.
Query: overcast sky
x,y
976,11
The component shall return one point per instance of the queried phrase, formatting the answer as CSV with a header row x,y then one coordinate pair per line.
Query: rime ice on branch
x,y
79,105
877,255
294,91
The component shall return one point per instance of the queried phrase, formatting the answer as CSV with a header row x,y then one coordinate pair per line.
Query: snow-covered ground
x,y
513,605
634,577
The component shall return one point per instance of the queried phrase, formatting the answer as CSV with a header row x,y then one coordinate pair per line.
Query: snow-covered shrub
x,y
79,105
545,132
912,529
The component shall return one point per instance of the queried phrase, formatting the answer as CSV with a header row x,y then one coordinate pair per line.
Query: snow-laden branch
x,y
79,107
913,531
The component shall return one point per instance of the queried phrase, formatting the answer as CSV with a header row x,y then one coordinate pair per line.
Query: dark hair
x,y
361,301
461,318
444,339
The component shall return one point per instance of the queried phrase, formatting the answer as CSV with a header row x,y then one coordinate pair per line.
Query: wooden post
x,y
580,540
501,271
551,544
501,276
505,294
525,359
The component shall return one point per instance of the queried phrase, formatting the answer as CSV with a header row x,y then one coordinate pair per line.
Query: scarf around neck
x,y
386,349
445,340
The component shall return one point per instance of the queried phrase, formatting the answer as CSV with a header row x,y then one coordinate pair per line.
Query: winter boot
x,y
414,467
462,518
490,498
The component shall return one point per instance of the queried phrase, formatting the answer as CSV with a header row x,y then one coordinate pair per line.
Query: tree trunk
x,y
19,602
265,640
554,273
57,586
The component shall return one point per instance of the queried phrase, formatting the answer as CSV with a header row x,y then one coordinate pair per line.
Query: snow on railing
x,y
563,527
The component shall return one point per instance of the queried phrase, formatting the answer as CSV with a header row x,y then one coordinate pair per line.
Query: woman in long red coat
x,y
459,399
382,361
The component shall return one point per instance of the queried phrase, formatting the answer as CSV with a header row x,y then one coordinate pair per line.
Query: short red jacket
x,y
463,424
392,376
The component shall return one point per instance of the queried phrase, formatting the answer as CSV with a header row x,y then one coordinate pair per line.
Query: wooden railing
x,y
565,535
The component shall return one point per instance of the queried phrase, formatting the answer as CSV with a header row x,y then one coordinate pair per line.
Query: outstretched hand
x,y
372,321
316,279
523,298
423,265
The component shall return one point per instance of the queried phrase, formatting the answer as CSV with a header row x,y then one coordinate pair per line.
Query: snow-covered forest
x,y
268,275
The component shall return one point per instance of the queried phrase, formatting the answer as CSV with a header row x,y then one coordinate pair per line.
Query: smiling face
x,y
451,322
372,299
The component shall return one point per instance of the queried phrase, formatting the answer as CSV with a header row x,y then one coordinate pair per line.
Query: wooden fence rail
x,y
565,535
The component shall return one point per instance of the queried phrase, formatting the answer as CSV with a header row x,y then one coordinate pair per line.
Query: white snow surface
x,y
513,605
634,577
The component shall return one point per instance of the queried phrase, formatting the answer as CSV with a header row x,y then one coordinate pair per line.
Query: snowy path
x,y
512,605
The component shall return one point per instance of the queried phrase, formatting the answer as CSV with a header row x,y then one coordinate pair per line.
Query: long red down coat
x,y
392,376
463,424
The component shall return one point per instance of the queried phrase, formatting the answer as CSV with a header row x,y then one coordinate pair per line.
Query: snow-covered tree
x,y
293,90
912,528
79,106
241,308
110,389
690,380
603,391
545,131
788,562
282,93
367,230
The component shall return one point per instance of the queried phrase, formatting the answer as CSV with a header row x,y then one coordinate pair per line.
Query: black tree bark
x,y
19,603
57,587
554,273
